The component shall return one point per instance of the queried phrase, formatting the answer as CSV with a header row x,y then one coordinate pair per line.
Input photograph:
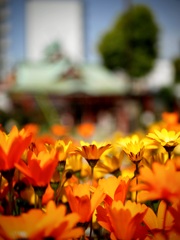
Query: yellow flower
x,y
64,149
74,162
134,147
109,163
168,139
159,155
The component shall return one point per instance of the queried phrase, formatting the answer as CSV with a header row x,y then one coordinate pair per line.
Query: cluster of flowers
x,y
54,186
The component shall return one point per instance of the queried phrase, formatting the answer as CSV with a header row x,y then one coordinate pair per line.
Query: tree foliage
x,y
176,63
131,43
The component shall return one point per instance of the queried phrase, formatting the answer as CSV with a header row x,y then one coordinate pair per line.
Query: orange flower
x,y
57,225
160,182
162,221
115,188
19,227
35,224
92,152
81,202
12,147
175,211
39,142
86,129
171,120
43,141
176,161
48,195
59,130
32,128
161,236
39,168
122,221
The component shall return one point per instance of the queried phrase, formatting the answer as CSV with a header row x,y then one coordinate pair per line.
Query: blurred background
x,y
112,63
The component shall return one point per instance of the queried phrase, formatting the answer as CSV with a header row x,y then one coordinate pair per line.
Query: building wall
x,y
38,23
54,21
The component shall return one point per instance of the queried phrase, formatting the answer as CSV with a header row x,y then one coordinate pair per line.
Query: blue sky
x,y
102,14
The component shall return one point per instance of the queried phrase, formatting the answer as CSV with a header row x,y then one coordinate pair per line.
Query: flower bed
x,y
56,186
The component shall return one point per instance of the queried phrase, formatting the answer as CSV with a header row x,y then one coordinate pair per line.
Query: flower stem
x,y
10,186
55,186
91,228
40,202
8,175
59,194
39,192
169,154
92,175
91,221
136,173
35,200
136,190
0,181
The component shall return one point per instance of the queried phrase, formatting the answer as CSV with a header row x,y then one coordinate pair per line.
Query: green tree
x,y
176,64
131,43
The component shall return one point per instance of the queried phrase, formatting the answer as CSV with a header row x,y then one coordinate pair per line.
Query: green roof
x,y
44,77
